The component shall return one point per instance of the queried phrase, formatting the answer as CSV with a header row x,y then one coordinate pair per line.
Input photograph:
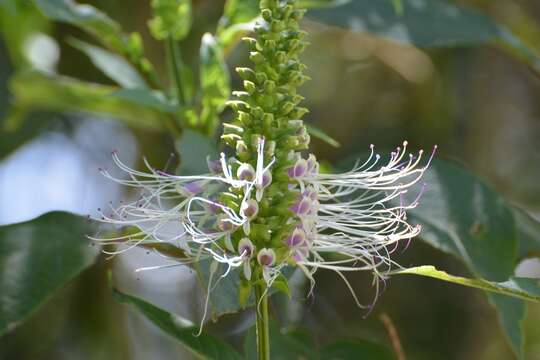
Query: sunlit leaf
x,y
36,91
523,288
172,19
425,23
103,28
86,17
37,258
203,346
321,135
112,65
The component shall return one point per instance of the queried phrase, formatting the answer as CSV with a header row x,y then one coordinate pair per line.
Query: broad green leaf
x,y
523,288
321,135
528,233
36,91
112,65
425,23
37,258
172,19
290,345
356,349
462,216
215,82
204,346
149,98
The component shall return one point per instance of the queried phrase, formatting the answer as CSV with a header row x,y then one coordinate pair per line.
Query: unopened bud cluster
x,y
268,110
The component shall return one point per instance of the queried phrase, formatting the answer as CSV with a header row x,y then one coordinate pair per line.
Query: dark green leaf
x,y
523,288
172,18
462,216
356,349
36,91
203,346
425,23
112,65
528,233
37,258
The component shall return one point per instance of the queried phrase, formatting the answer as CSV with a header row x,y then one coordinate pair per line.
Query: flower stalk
x,y
262,323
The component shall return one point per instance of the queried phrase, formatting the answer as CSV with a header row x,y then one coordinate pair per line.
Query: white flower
x,y
188,211
353,221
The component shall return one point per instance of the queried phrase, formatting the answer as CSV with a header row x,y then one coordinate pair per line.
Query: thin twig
x,y
393,335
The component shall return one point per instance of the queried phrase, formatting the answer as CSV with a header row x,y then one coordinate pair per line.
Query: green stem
x,y
262,325
176,64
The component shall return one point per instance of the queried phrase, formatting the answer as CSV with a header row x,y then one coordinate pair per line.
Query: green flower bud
x,y
245,73
250,87
256,57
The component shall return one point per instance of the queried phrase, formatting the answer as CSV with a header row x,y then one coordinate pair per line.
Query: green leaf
x,y
149,98
528,233
523,288
356,349
87,18
103,28
112,65
37,258
172,19
204,346
462,216
321,135
215,82
425,23
36,91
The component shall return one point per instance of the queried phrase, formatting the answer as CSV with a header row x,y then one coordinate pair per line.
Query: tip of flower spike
x,y
405,143
114,152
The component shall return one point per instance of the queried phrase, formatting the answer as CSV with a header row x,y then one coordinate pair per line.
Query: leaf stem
x,y
262,324
176,64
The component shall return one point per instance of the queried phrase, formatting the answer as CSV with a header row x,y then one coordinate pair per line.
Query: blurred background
x,y
479,104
